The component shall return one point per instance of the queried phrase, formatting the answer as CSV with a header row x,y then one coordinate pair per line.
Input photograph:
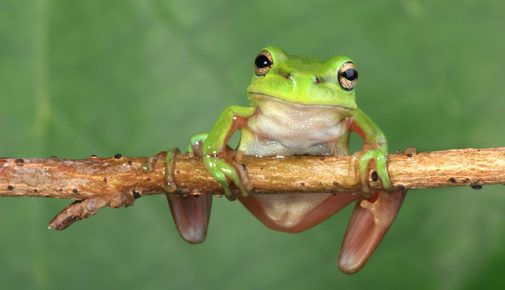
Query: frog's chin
x,y
258,98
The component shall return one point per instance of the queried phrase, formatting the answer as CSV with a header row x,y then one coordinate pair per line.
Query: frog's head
x,y
302,80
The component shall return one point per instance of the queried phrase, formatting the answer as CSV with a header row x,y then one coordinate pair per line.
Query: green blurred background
x,y
102,77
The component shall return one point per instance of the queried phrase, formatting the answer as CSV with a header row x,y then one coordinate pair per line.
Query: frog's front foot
x,y
223,172
379,157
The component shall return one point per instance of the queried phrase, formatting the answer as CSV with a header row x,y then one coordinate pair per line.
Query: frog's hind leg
x,y
370,220
191,213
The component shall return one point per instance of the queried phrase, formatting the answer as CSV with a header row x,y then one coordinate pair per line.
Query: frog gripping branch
x,y
298,106
291,169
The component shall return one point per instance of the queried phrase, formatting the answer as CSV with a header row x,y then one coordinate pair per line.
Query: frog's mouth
x,y
261,98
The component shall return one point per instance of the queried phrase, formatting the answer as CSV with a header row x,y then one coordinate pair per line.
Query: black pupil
x,y
262,61
350,74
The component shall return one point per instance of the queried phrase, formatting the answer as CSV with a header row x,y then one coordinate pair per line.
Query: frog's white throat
x,y
297,125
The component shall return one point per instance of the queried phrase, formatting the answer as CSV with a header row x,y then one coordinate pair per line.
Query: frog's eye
x,y
348,76
263,63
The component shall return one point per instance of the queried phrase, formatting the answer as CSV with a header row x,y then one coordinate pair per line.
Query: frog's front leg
x,y
214,146
375,150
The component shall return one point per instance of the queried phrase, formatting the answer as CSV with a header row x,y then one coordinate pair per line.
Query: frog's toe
x,y
220,177
369,223
191,214
224,172
379,158
196,143
382,171
364,162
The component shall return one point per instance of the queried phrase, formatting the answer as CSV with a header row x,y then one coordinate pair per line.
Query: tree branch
x,y
116,182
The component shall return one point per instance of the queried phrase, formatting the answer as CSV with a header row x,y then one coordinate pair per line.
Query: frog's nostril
x,y
318,80
287,76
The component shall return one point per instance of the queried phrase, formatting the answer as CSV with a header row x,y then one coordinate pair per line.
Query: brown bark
x,y
118,181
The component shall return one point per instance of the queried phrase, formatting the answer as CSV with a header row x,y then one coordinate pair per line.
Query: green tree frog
x,y
298,106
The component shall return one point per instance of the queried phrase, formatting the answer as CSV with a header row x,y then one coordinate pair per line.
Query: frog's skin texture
x,y
303,106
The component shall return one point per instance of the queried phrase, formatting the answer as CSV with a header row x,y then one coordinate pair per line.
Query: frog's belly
x,y
295,212
300,130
